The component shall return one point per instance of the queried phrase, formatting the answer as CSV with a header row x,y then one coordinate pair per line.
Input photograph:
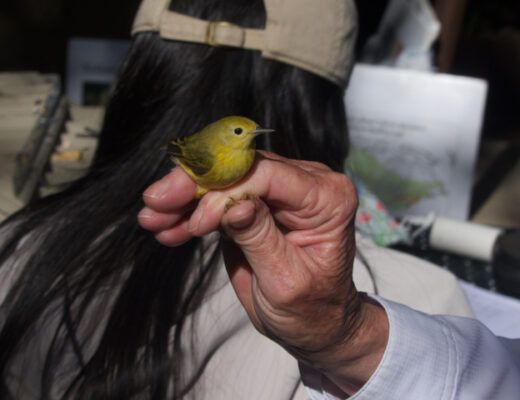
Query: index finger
x,y
279,183
172,192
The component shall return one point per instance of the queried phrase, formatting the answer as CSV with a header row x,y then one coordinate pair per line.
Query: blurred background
x,y
57,59
479,38
34,34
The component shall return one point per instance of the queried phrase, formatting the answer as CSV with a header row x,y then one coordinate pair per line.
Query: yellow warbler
x,y
219,155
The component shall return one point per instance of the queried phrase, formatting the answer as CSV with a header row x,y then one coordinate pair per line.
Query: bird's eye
x,y
238,131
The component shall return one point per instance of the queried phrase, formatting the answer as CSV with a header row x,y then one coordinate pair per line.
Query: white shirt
x,y
436,357
237,362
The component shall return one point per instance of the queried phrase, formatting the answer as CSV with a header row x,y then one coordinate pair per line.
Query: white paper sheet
x,y
415,137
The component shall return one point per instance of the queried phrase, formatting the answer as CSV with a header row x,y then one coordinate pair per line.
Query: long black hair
x,y
88,288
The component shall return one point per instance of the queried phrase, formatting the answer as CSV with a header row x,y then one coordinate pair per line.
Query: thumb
x,y
251,226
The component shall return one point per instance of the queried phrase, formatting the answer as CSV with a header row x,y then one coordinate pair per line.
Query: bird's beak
x,y
259,131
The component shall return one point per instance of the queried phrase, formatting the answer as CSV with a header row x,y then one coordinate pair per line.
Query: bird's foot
x,y
245,196
248,196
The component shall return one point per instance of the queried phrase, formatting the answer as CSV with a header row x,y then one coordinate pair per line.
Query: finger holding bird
x,y
282,183
214,158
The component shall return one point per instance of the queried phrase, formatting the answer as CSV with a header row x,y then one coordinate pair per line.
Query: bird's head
x,y
238,132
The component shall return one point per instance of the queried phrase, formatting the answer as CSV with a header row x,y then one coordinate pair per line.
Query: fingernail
x,y
158,189
146,213
196,218
244,221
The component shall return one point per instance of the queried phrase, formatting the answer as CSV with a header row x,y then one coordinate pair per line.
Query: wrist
x,y
355,360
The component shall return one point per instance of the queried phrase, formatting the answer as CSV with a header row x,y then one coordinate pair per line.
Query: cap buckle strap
x,y
210,32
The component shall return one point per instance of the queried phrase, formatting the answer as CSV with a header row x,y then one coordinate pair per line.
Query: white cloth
x,y
500,313
436,357
245,360
234,360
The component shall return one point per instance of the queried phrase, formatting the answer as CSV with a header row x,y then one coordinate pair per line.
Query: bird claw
x,y
248,196
230,203
245,196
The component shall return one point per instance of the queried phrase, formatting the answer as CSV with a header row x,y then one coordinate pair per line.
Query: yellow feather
x,y
219,155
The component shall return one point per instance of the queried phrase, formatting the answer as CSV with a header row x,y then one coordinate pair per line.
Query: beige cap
x,y
315,35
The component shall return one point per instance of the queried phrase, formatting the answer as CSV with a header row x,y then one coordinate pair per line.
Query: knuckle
x,y
347,192
339,192
261,236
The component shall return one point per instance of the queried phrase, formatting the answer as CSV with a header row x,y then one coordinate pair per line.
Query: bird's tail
x,y
174,149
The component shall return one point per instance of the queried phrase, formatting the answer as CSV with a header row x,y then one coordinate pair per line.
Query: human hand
x,y
289,253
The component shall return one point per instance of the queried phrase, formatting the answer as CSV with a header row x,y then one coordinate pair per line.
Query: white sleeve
x,y
436,357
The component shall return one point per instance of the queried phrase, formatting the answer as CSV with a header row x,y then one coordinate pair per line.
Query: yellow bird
x,y
218,155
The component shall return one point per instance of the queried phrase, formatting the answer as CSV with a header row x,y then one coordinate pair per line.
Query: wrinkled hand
x,y
289,253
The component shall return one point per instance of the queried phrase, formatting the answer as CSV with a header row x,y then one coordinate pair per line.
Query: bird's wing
x,y
199,160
